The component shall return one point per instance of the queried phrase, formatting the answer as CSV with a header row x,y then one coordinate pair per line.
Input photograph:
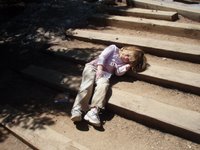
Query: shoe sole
x,y
76,118
90,121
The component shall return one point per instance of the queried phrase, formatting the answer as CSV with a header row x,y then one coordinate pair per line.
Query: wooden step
x,y
41,137
140,12
159,26
173,78
189,12
153,46
188,1
165,76
171,119
175,120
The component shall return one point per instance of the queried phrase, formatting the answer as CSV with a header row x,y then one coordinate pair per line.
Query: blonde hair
x,y
136,57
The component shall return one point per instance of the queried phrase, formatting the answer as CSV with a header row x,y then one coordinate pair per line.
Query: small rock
x,y
189,146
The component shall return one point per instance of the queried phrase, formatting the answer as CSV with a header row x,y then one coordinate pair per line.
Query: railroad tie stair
x,y
136,107
164,76
176,120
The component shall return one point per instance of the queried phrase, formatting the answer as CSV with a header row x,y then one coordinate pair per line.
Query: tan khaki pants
x,y
91,89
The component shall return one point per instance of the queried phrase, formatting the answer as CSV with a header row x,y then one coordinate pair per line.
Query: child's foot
x,y
76,115
93,117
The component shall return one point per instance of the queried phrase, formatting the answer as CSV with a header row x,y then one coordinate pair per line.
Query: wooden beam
x,y
171,119
184,80
145,13
189,12
156,47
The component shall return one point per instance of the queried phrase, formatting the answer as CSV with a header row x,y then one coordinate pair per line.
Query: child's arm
x,y
105,54
122,69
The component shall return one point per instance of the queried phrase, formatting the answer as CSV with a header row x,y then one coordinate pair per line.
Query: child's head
x,y
135,56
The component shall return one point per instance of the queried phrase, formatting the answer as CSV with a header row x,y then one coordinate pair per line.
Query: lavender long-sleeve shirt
x,y
111,61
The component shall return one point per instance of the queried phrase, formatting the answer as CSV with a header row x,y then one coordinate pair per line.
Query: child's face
x,y
126,56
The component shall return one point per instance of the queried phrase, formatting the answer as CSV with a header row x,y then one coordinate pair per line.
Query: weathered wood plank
x,y
140,12
178,121
156,47
172,119
40,138
160,5
160,26
184,80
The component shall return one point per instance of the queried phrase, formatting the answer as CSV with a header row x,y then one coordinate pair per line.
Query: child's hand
x,y
124,68
99,74
128,66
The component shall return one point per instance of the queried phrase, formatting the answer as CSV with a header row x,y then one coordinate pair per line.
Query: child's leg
x,y
98,99
86,88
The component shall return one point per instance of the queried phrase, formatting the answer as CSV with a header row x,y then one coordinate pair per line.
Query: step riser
x,y
149,27
171,17
173,55
169,84
153,51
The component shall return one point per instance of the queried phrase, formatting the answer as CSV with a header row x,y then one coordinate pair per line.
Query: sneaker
x,y
93,117
76,115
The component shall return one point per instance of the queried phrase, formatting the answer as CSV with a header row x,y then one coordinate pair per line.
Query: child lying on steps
x,y
95,79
